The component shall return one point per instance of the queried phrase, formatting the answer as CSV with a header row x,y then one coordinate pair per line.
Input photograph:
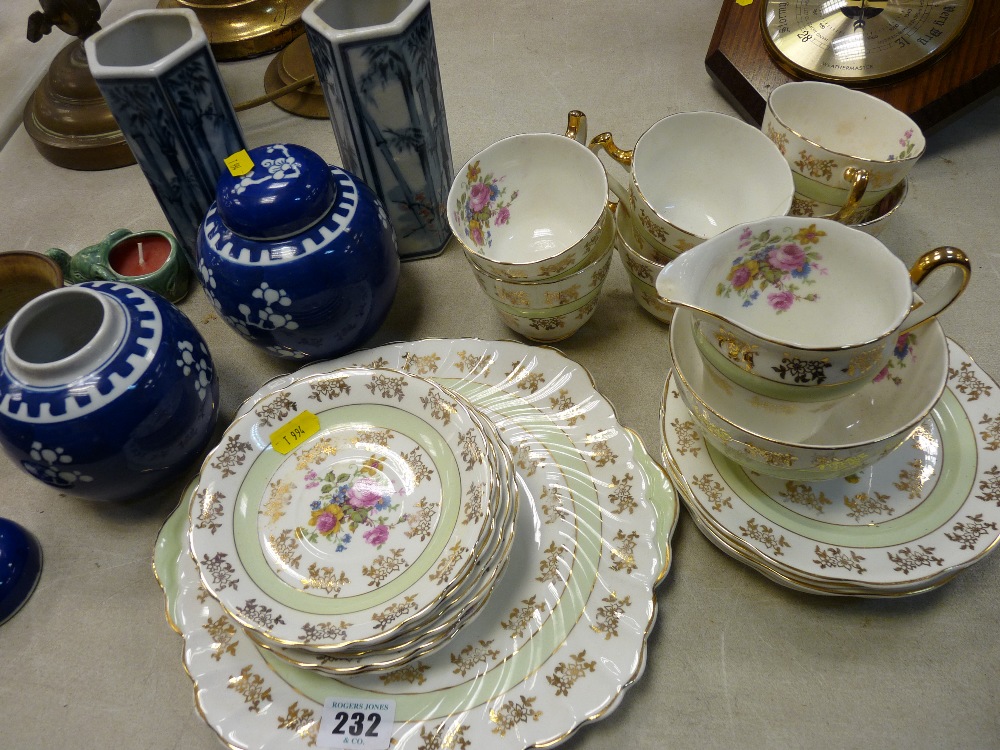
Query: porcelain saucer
x,y
908,523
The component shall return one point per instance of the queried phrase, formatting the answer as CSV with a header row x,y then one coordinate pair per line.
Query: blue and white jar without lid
x,y
107,391
298,256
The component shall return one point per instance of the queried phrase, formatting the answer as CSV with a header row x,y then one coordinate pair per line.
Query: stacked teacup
x,y
785,329
531,213
691,176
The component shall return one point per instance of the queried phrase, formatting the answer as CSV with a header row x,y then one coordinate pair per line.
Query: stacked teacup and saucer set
x,y
818,423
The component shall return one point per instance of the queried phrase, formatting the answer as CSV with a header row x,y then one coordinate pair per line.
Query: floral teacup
x,y
833,136
807,303
530,206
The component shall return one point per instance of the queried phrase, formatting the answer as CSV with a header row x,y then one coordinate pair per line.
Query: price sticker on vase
x,y
290,436
356,724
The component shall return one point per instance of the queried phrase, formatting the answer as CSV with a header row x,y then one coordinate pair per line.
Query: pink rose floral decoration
x,y
779,265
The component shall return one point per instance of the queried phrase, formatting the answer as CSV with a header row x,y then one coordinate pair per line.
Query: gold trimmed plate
x,y
537,667
906,524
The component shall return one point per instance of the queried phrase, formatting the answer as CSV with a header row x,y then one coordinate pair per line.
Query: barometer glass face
x,y
858,41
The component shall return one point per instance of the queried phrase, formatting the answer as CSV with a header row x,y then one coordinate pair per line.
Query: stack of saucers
x,y
355,520
873,486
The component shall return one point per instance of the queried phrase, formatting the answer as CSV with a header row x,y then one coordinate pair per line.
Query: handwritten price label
x,y
290,436
239,163
356,724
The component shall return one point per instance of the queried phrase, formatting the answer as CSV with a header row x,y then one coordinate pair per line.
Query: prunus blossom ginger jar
x,y
107,391
297,255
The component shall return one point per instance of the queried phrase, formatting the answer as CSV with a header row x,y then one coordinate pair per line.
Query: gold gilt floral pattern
x,y
233,454
600,452
608,615
211,510
512,713
623,551
411,674
805,494
426,364
859,535
479,653
818,168
252,687
304,722
443,738
275,409
834,557
222,631
520,618
581,644
989,486
567,674
778,138
964,380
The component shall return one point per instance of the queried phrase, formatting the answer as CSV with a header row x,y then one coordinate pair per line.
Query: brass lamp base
x,y
68,119
239,29
293,64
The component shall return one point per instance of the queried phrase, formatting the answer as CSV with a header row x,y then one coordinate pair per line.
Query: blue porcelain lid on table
x,y
288,190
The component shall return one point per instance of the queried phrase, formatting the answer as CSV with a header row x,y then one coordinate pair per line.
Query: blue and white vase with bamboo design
x,y
377,63
156,72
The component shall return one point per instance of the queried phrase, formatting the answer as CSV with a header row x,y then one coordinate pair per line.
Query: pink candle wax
x,y
139,254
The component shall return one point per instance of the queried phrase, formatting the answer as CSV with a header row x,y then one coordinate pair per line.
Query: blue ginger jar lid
x,y
288,190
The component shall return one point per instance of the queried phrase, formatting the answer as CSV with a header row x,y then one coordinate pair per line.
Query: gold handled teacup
x,y
693,175
530,206
846,148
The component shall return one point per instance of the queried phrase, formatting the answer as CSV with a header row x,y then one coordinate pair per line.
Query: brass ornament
x,y
240,29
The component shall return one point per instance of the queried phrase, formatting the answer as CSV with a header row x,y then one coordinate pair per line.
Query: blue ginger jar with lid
x,y
298,256
107,391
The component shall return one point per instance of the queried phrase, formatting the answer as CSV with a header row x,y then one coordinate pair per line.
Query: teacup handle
x,y
961,268
859,183
606,142
576,126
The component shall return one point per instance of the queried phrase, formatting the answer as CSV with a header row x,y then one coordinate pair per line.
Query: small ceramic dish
x,y
20,567
541,295
812,440
642,271
529,206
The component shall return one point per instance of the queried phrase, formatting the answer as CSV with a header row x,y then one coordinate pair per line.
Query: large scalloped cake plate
x,y
562,637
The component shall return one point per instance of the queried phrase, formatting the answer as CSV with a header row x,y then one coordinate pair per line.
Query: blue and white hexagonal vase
x,y
107,391
378,66
157,73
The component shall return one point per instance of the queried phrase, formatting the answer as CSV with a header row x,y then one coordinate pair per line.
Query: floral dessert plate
x,y
411,645
364,525
911,520
562,636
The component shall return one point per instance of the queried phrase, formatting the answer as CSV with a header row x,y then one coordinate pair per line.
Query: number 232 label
x,y
358,724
